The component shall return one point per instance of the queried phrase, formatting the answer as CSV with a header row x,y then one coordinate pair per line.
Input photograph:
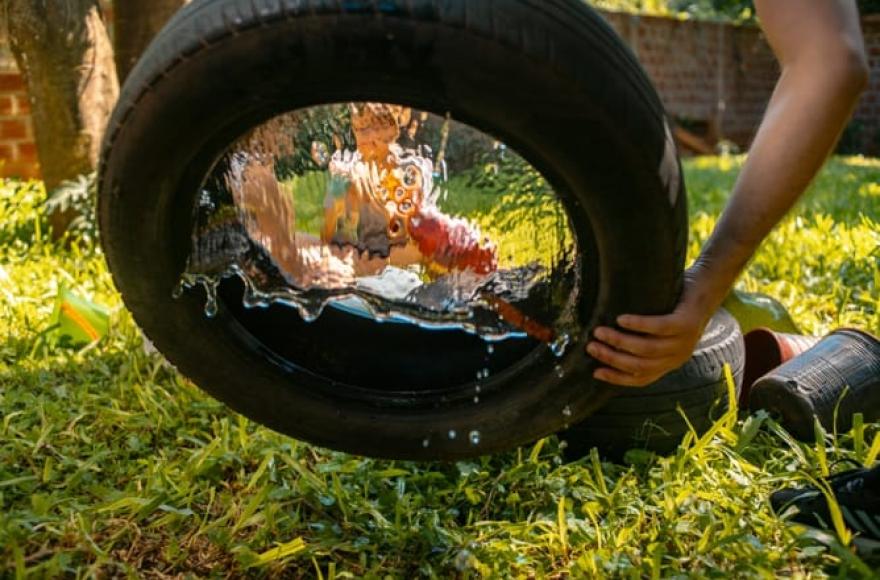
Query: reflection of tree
x,y
515,205
329,125
460,146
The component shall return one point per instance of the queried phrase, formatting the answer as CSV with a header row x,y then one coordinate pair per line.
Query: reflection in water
x,y
348,205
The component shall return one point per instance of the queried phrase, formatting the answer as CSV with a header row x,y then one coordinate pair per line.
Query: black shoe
x,y
858,495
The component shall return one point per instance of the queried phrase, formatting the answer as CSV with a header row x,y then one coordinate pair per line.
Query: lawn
x,y
112,464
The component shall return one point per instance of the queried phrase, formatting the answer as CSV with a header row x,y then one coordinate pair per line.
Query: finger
x,y
646,346
621,379
622,361
667,325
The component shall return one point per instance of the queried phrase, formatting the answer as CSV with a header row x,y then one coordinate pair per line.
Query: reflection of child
x,y
379,198
378,210
267,213
352,214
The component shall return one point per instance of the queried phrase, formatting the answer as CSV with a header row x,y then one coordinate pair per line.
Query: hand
x,y
649,347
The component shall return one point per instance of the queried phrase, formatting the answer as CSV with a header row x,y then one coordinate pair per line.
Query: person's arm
x,y
824,70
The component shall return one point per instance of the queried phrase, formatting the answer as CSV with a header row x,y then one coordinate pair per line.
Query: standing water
x,y
388,213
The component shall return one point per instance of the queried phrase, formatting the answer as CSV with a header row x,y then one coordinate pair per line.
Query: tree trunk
x,y
136,22
64,53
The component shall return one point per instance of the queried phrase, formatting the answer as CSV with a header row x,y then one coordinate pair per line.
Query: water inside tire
x,y
377,213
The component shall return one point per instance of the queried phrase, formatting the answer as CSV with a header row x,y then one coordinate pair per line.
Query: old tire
x,y
658,416
548,77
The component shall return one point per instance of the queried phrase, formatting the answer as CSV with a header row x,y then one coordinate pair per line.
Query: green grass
x,y
113,464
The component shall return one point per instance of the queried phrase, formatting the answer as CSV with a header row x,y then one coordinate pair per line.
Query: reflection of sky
x,y
357,307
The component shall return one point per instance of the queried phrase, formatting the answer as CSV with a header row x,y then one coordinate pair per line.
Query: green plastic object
x,y
77,321
754,310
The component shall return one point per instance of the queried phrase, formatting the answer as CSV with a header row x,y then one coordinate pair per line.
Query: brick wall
x,y
865,130
714,78
18,153
718,78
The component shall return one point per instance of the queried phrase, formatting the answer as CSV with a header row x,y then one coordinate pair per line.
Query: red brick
x,y
22,104
27,151
11,82
23,169
7,105
13,129
6,153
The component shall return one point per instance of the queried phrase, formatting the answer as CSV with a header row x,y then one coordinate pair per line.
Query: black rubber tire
x,y
548,77
831,382
649,418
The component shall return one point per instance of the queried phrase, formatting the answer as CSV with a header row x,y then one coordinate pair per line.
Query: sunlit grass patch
x,y
823,261
111,463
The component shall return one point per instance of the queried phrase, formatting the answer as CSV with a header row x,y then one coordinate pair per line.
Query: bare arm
x,y
824,70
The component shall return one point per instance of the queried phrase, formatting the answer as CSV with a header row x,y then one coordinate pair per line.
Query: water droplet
x,y
426,442
477,389
489,348
205,200
476,400
320,154
452,434
411,176
485,373
566,410
558,370
474,437
178,290
558,346
211,306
